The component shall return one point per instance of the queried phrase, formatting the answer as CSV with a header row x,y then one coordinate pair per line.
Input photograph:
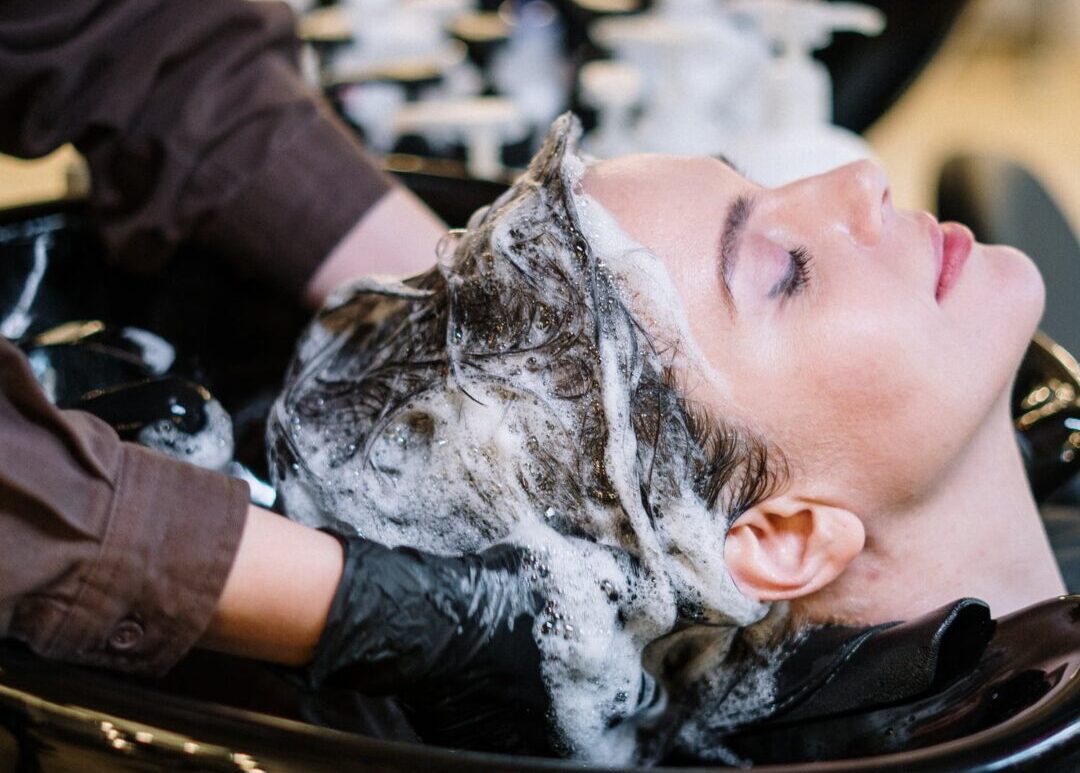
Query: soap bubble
x,y
511,395
211,447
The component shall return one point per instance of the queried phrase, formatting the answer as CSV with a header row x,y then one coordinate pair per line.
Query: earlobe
x,y
788,547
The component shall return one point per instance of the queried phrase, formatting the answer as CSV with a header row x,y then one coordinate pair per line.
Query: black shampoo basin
x,y
55,717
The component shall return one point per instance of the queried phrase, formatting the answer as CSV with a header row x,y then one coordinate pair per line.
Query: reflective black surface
x,y
92,367
870,73
233,334
1016,709
1030,659
1046,408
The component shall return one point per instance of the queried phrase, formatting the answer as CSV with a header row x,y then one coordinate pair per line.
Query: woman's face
x,y
849,332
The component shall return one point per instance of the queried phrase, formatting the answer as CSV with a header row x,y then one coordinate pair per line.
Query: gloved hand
x,y
451,637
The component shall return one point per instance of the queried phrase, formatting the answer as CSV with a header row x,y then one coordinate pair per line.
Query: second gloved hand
x,y
451,636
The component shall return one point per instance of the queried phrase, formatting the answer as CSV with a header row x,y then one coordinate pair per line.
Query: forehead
x,y
672,205
661,172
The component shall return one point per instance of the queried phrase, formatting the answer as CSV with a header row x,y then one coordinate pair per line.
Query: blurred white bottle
x,y
797,138
698,75
613,88
531,69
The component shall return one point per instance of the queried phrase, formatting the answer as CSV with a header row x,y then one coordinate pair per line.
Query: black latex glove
x,y
452,637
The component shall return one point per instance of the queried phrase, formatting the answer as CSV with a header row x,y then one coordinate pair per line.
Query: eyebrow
x,y
737,215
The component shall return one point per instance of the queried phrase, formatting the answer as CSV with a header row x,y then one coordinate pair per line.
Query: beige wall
x,y
1005,82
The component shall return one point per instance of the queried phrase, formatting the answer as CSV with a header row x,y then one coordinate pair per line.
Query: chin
x,y
996,308
1020,283
1004,303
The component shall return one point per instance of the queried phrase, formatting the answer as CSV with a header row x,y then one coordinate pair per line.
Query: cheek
x,y
859,386
870,347
875,388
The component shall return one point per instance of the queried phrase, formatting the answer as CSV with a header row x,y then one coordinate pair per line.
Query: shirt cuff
x,y
307,196
172,536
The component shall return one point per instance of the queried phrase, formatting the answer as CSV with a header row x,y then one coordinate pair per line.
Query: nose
x,y
856,196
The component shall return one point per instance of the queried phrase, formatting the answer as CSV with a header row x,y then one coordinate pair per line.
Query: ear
x,y
788,547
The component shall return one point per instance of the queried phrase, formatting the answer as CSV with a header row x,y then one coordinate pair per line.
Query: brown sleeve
x,y
195,123
110,554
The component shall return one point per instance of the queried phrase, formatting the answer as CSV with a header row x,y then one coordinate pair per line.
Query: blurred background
x,y
1005,81
970,105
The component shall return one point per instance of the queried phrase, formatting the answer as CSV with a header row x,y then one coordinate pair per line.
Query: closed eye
x,y
797,276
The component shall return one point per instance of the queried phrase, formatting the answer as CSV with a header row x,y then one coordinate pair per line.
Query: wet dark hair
x,y
521,311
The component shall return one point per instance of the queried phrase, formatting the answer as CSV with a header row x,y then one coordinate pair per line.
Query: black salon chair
x,y
218,713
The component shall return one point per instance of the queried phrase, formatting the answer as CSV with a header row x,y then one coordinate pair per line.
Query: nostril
x,y
885,210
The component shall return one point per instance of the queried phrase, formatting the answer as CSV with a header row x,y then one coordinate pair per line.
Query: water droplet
x,y
447,245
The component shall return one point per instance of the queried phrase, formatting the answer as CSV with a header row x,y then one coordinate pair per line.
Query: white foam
x,y
211,447
650,292
19,319
647,285
457,470
158,354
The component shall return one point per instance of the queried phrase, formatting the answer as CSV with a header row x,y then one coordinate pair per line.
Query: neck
x,y
977,534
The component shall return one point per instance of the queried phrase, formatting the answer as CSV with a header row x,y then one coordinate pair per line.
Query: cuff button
x,y
126,635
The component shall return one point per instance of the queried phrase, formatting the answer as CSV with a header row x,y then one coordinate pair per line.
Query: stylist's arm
x,y
197,127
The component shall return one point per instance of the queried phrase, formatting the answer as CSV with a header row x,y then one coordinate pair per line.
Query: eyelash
x,y
798,277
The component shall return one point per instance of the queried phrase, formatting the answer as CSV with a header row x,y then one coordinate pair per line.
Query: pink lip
x,y
953,243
